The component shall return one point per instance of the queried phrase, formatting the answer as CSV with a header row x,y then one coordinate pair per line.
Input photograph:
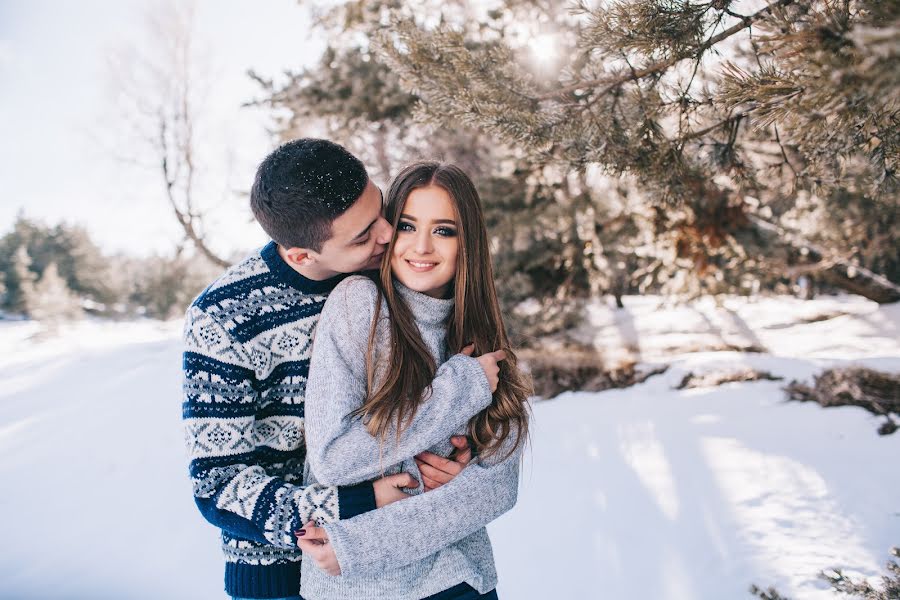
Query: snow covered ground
x,y
647,492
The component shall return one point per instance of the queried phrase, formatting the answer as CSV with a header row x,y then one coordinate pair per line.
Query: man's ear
x,y
300,257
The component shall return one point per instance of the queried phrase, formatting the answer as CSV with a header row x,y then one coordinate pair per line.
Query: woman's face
x,y
424,257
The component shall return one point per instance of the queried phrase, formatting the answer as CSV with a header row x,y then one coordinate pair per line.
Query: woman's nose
x,y
423,243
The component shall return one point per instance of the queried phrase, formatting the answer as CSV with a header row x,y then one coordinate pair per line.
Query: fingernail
x,y
301,533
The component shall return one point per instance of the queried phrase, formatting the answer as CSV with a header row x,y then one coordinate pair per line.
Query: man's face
x,y
359,237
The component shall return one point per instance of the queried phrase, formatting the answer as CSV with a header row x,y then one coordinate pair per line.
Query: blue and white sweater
x,y
248,339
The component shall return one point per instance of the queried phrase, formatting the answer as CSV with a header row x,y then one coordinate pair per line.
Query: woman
x,y
382,387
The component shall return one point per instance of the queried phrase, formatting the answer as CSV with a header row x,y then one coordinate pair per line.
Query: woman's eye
x,y
445,231
405,226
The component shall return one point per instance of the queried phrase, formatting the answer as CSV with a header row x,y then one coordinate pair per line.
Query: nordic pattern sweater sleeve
x,y
340,449
409,530
225,438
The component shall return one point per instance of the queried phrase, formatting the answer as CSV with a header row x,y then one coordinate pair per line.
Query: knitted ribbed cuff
x,y
262,581
356,499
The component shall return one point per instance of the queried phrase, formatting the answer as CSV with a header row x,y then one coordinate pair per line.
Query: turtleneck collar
x,y
425,309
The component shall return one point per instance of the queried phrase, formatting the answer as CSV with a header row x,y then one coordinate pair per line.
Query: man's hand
x,y
390,489
437,470
313,542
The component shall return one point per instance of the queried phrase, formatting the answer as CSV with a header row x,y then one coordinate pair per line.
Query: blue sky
x,y
58,142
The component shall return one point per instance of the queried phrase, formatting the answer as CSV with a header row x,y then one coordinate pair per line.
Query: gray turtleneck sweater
x,y
431,541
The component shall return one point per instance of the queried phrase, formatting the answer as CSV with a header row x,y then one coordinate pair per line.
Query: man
x,y
248,338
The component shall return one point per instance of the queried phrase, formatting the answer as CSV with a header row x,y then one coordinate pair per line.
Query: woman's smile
x,y
421,266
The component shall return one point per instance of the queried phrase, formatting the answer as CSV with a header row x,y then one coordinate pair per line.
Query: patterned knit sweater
x,y
247,352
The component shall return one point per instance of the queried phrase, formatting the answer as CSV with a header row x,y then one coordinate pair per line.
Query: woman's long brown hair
x,y
476,319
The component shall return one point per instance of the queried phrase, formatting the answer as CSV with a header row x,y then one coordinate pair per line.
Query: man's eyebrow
x,y
438,221
363,233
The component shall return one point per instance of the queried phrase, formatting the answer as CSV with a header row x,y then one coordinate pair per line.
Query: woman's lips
x,y
421,266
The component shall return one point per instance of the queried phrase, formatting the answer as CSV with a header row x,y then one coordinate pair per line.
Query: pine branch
x,y
664,65
692,135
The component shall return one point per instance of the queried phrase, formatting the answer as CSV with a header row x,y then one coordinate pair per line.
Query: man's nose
x,y
385,231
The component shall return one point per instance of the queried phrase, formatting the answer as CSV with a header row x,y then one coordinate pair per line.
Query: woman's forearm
x,y
409,530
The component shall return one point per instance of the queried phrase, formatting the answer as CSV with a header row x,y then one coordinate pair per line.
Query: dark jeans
x,y
462,591
286,598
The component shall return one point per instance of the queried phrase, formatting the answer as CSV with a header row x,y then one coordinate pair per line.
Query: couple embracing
x,y
349,389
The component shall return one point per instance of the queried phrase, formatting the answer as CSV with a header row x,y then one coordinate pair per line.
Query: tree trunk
x,y
861,281
836,271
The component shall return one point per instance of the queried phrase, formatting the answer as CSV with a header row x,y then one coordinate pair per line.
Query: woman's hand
x,y
390,489
313,542
488,362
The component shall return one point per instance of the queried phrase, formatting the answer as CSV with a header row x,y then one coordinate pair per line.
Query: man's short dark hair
x,y
302,187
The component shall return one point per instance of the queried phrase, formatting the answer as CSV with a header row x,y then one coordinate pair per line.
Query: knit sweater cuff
x,y
356,499
262,581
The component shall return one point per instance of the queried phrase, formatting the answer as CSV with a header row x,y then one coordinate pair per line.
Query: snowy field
x,y
642,493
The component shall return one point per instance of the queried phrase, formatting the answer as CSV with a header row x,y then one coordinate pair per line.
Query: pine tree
x,y
86,271
19,283
628,162
558,238
721,118
887,589
2,292
52,302
843,586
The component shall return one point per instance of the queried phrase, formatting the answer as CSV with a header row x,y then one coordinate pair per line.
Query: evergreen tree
x,y
19,283
720,117
80,262
52,301
76,276
887,589
558,238
627,160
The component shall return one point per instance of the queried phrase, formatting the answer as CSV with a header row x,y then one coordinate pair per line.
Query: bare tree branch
x,y
156,83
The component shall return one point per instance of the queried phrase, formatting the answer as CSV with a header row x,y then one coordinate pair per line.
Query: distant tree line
x,y
55,273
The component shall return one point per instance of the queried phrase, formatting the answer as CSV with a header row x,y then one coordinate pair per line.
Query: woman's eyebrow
x,y
438,221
